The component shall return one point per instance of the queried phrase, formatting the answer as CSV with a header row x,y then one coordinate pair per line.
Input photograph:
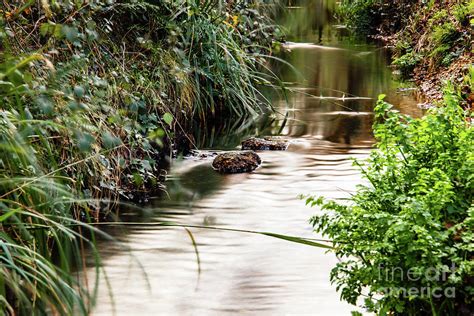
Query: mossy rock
x,y
266,143
236,162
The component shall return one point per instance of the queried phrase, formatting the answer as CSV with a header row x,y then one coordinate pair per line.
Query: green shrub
x,y
411,229
406,63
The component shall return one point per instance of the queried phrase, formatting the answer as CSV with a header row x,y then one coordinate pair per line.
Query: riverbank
x,y
431,42
97,97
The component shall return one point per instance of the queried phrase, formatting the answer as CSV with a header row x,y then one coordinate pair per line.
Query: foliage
x,y
373,17
411,229
125,66
432,34
360,15
462,12
443,39
447,35
94,96
38,202
205,60
407,62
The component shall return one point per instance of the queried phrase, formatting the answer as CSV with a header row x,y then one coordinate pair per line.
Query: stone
x,y
236,162
267,143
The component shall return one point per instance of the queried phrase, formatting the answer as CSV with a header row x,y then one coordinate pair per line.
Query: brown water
x,y
154,271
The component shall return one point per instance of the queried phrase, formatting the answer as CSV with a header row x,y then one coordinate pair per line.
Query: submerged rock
x,y
267,143
236,162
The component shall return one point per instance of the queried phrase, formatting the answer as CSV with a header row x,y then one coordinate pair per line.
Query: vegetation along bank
x,y
95,97
406,239
431,40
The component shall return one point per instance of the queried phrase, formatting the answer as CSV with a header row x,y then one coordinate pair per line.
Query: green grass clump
x,y
39,251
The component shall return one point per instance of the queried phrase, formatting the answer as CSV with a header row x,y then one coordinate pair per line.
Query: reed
x,y
39,252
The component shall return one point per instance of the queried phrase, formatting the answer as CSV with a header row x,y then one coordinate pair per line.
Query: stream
x,y
334,82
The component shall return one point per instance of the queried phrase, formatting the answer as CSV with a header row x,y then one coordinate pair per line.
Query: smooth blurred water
x,y
154,271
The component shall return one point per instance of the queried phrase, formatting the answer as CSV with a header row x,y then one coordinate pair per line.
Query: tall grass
x,y
38,252
123,67
93,95
207,57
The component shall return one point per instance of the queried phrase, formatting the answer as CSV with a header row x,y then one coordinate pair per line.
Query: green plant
x,y
462,12
428,34
438,17
407,62
443,38
406,240
39,251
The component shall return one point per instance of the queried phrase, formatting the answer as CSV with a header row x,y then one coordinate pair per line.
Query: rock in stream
x,y
236,162
266,143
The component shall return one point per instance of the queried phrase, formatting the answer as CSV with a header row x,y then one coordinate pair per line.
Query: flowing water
x,y
155,270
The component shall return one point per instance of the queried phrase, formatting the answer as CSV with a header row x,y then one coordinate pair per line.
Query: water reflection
x,y
309,20
194,183
333,86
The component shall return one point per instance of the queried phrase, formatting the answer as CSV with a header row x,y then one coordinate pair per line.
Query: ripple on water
x,y
240,273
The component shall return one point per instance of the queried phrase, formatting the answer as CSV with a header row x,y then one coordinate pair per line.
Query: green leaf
x,y
168,118
7,215
78,91
51,28
110,141
156,135
45,104
298,240
85,142
71,33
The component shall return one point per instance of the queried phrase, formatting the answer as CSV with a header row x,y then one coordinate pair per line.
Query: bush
x,y
406,63
407,238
